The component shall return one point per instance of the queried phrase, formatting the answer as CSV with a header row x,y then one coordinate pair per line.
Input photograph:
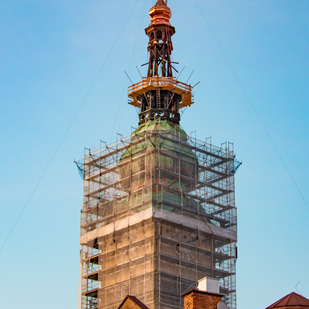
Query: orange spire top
x,y
160,13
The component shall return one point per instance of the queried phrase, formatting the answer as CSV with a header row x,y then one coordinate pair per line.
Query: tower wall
x,y
158,215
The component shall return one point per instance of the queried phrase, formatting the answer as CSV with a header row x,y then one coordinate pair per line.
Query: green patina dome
x,y
166,149
170,133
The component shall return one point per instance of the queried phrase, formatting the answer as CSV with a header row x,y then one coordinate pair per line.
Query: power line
x,y
66,132
253,107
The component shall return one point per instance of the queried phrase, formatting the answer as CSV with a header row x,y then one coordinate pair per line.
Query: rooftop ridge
x,y
290,300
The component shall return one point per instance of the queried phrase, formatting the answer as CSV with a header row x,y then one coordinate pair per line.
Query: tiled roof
x,y
291,300
135,300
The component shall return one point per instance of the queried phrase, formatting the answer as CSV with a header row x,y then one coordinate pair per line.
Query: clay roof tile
x,y
290,300
135,300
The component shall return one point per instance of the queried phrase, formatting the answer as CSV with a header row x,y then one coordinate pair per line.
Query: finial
x,y
160,13
161,2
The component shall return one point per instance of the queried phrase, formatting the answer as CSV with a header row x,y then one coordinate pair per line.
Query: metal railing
x,y
159,82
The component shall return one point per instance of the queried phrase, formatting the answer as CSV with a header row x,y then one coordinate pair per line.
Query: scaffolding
x,y
158,215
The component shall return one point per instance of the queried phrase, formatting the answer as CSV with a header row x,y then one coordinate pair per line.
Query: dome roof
x,y
160,13
168,129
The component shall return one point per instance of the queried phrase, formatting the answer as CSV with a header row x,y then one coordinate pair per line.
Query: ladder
x,y
158,98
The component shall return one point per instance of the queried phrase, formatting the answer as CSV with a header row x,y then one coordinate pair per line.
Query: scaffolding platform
x,y
161,83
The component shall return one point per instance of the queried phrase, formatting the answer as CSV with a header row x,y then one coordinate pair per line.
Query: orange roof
x,y
291,300
134,300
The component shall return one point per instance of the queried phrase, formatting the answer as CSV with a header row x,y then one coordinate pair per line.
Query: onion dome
x,y
160,13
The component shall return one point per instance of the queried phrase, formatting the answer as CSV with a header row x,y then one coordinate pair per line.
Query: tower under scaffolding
x,y
159,206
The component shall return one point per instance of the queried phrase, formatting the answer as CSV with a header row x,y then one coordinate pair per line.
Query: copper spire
x,y
160,95
160,13
160,44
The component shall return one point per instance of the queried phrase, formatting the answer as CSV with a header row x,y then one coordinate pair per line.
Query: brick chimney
x,y
207,295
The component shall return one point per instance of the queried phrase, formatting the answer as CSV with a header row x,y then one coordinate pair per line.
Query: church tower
x,y
159,210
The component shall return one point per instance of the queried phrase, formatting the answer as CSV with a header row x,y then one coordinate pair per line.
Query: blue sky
x,y
52,52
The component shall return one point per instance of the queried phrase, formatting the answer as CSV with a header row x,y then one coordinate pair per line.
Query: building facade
x,y
159,207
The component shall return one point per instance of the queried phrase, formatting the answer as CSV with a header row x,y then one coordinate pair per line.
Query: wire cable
x,y
66,132
120,110
253,107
